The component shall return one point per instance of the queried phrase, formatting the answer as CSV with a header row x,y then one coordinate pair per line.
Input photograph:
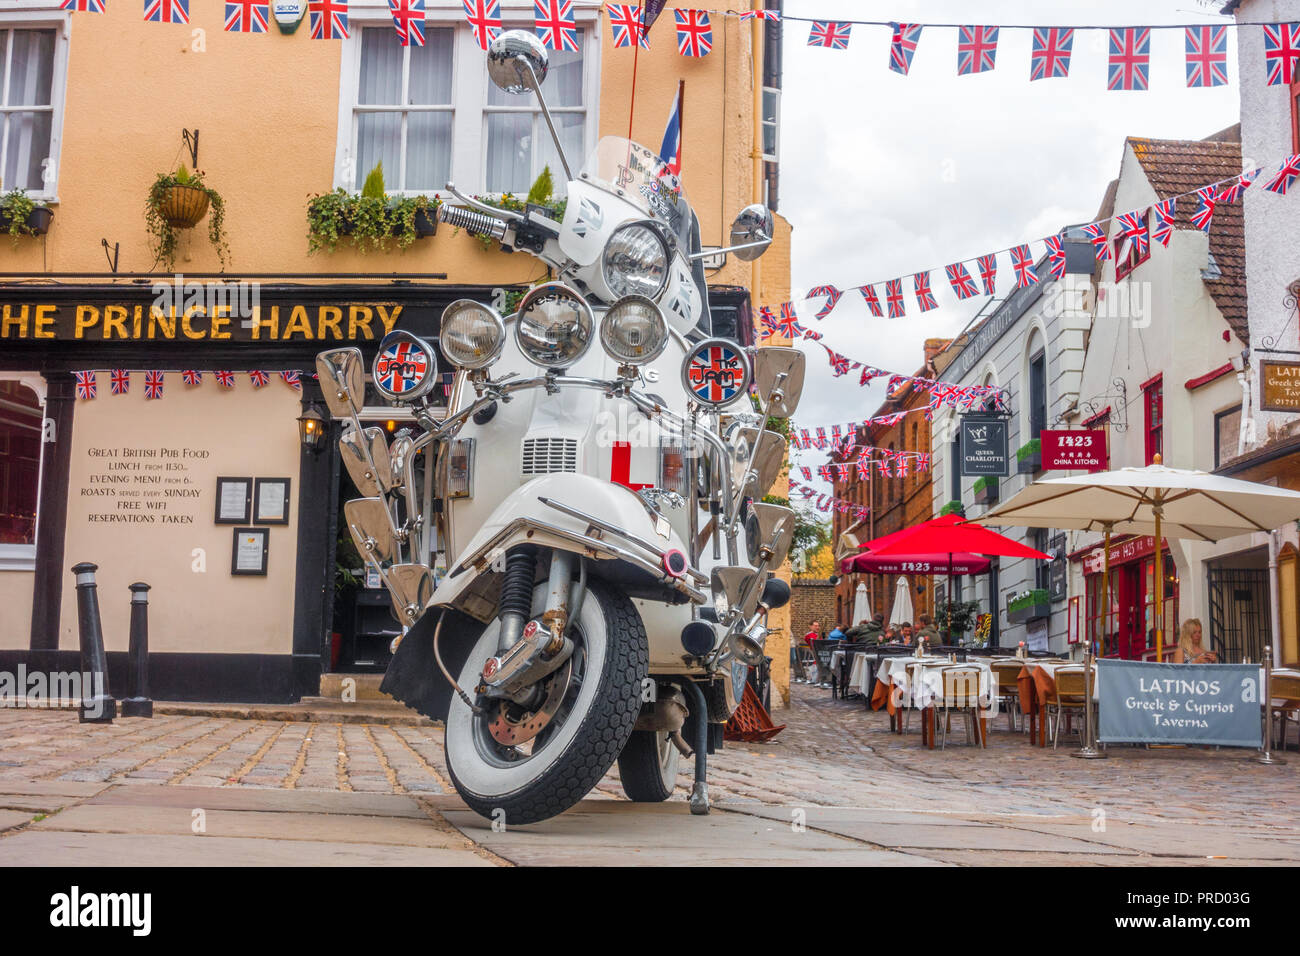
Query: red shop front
x,y
1128,628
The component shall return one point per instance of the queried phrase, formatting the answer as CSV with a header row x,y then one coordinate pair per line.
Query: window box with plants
x,y
1029,457
952,508
1028,606
986,490
20,215
371,219
178,201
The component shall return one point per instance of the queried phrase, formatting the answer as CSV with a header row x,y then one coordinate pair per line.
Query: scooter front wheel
x,y
587,711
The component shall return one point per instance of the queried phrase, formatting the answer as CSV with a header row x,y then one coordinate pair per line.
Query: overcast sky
x,y
884,175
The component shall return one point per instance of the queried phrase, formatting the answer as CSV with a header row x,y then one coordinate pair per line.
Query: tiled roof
x,y
1176,166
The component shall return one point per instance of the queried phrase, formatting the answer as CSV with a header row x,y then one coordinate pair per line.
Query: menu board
x,y
142,485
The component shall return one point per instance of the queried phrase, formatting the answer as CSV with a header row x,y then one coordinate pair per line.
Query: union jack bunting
x,y
788,324
868,373
902,47
1096,232
773,15
767,322
830,34
694,35
1232,192
832,296
484,18
864,471
807,472
824,473
882,466
626,23
924,297
259,378
153,385
988,267
843,469
1055,257
192,376
977,48
824,505
167,11
1051,55
960,280
894,382
84,6
894,298
805,438
293,379
1133,227
1285,176
1207,56
247,16
901,467
1162,228
225,379
1201,218
873,303
839,363
555,25
1130,59
1023,262
86,384
1281,51
120,380
328,19
408,18
836,433
821,437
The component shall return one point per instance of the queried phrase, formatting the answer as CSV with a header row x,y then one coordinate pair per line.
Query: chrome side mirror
x,y
514,58
769,533
778,373
411,586
398,455
365,455
765,460
751,232
342,375
729,586
371,527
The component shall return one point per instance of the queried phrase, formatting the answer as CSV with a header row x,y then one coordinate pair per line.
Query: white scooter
x,y
606,560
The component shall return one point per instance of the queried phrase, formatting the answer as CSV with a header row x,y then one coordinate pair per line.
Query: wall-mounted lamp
x,y
311,429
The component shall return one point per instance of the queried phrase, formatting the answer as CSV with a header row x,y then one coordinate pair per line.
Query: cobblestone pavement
x,y
836,768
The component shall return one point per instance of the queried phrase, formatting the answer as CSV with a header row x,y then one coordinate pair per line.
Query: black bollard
x,y
139,703
100,708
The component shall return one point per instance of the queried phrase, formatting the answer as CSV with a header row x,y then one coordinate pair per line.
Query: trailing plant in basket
x,y
164,231
17,206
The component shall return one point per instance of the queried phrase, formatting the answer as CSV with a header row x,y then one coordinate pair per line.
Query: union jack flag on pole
x,y
484,18
86,385
988,267
873,303
960,280
225,379
1051,55
831,34
902,46
694,34
153,385
1285,176
328,19
408,18
1130,59
192,376
120,380
977,49
1207,56
1232,192
1055,257
924,297
555,25
1022,261
1202,217
84,6
1163,226
1096,233
625,20
894,298
167,11
1281,51
247,16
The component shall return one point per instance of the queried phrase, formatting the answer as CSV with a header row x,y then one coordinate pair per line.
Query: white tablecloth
x,y
860,675
921,679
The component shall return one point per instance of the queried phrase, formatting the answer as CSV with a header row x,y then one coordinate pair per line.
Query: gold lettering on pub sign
x,y
1279,384
106,322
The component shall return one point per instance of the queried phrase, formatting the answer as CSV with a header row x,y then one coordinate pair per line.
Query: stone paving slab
x,y
31,804
1195,842
67,849
13,818
53,788
263,799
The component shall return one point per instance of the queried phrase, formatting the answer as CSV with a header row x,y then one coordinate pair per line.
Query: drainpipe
x,y
1274,609
1246,431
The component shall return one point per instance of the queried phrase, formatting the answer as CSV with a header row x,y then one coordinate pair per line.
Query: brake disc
x,y
512,732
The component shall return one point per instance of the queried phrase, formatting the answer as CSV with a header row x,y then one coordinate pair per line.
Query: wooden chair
x,y
1006,690
807,663
1285,687
1070,697
960,692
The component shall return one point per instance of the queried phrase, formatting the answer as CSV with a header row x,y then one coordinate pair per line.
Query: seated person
x,y
891,635
927,630
836,634
906,628
1189,649
869,631
814,634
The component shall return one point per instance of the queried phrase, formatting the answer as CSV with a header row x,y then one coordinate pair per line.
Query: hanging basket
x,y
182,207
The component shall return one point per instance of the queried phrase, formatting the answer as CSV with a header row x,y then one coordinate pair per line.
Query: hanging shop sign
x,y
1057,584
1141,702
1279,386
1074,450
984,446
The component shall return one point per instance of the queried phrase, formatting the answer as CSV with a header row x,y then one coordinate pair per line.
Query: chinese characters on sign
x,y
1085,450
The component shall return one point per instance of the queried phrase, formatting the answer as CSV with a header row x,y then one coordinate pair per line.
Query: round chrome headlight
x,y
554,326
635,261
634,331
472,335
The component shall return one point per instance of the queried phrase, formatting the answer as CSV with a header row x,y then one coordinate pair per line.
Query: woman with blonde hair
x,y
1189,649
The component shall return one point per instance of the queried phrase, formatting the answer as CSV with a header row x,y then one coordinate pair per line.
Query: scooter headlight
x,y
635,261
554,326
634,331
472,335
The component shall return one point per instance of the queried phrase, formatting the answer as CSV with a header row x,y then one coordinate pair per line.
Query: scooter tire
x,y
647,767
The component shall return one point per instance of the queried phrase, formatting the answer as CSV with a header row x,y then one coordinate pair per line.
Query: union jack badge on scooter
x,y
405,368
716,372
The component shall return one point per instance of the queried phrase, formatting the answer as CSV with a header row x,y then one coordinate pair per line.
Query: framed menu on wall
x,y
234,500
249,551
271,501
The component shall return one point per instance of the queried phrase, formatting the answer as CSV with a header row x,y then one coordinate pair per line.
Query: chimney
x,y
933,347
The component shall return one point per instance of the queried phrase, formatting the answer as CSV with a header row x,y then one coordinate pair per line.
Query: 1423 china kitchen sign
x,y
1074,450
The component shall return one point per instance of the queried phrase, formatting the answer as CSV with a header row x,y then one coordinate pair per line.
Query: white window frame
x,y
469,87
35,15
22,557
775,124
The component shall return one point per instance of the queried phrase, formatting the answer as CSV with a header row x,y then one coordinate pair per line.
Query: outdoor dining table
x,y
921,691
1037,683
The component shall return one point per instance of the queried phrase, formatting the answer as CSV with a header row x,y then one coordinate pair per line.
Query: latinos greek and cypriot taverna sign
x,y
1279,384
